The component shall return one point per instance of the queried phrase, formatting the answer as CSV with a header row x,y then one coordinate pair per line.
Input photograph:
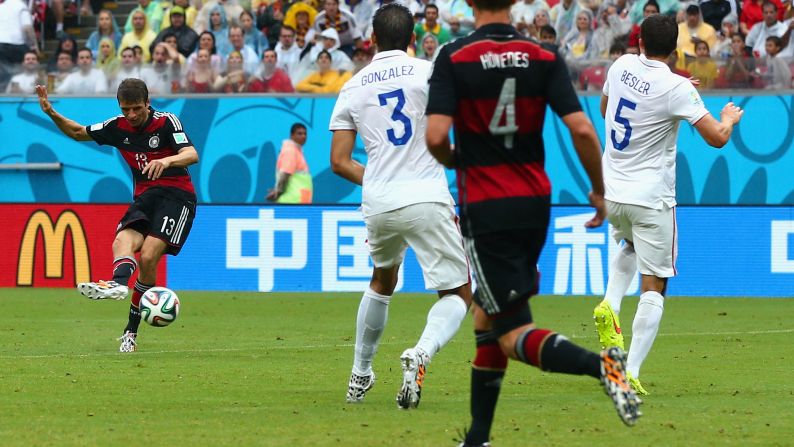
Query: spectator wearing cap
x,y
190,14
770,26
186,38
301,18
693,29
270,78
714,11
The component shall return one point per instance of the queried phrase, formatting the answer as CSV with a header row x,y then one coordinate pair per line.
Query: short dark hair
x,y
776,40
288,28
325,52
31,52
431,6
85,49
169,34
294,128
132,90
270,50
653,3
659,34
768,3
393,26
693,10
127,49
492,5
617,47
548,29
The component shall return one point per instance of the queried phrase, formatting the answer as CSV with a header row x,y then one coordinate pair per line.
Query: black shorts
x,y
505,263
166,214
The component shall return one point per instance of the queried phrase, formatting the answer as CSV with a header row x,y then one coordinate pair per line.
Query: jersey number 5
x,y
397,115
625,122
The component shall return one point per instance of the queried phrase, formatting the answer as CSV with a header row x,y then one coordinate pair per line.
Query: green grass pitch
x,y
244,369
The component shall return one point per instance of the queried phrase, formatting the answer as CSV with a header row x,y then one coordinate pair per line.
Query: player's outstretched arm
x,y
342,163
717,133
70,128
588,149
437,139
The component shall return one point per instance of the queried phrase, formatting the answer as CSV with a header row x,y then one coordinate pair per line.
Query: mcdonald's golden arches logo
x,y
54,238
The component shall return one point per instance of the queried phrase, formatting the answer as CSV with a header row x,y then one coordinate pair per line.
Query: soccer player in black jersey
x,y
494,86
158,152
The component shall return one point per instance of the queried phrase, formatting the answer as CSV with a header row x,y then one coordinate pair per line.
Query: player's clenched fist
x,y
731,112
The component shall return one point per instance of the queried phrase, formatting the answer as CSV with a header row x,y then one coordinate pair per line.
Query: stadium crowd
x,y
314,46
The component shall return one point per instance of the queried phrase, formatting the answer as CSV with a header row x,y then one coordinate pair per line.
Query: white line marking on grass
x,y
344,345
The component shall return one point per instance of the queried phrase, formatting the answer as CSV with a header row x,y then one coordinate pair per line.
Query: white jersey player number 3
x,y
397,115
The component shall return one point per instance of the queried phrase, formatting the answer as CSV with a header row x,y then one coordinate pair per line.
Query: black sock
x,y
488,369
135,314
123,268
553,352
134,320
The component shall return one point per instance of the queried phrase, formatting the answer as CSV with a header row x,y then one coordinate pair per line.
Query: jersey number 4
x,y
505,107
620,145
397,115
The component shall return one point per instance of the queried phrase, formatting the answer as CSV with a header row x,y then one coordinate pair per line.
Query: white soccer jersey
x,y
646,103
385,103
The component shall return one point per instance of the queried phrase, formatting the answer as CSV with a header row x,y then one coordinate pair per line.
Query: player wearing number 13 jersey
x,y
405,201
643,104
494,85
158,151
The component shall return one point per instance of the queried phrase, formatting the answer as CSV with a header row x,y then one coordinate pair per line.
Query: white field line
x,y
348,345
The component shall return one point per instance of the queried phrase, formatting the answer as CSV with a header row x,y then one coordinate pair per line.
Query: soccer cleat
x,y
358,387
103,290
613,377
635,383
413,365
607,326
128,342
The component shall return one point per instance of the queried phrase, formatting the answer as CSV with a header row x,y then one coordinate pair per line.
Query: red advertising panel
x,y
59,245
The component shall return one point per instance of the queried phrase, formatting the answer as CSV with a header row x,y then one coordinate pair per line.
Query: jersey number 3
x,y
620,145
397,115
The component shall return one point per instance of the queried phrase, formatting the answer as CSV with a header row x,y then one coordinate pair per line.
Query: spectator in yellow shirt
x,y
692,30
703,67
324,80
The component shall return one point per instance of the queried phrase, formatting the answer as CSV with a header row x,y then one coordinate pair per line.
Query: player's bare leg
x,y
125,245
373,312
443,322
623,269
645,326
151,251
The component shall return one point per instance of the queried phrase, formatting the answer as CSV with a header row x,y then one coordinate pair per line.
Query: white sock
x,y
59,27
644,329
373,312
443,322
622,271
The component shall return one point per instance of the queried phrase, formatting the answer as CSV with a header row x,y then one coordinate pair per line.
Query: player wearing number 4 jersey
x,y
158,151
494,85
643,103
405,201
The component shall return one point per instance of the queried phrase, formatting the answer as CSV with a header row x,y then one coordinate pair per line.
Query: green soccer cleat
x,y
635,383
607,326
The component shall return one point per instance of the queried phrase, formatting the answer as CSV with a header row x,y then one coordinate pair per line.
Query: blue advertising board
x,y
723,251
238,140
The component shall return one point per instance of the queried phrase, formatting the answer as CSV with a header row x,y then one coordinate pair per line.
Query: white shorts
x,y
432,230
654,234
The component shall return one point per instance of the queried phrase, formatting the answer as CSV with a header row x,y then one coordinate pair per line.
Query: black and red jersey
x,y
162,136
496,84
